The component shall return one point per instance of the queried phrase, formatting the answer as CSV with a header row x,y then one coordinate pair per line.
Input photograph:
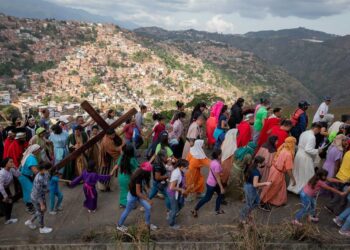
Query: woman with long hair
x,y
127,165
268,151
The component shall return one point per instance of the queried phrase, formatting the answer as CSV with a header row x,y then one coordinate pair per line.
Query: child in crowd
x,y
309,193
214,185
176,191
55,191
90,178
38,197
252,176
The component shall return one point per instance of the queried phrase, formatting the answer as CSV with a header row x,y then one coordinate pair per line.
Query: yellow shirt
x,y
344,171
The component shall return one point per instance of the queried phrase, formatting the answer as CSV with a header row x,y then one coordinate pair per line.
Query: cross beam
x,y
99,120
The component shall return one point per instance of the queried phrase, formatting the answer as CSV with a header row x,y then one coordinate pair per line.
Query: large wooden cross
x,y
99,120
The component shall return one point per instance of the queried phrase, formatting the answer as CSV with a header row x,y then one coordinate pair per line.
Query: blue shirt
x,y
255,172
222,118
29,163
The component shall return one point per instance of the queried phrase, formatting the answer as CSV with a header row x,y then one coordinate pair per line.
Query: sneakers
x,y
344,233
30,224
30,210
175,227
11,221
313,219
122,228
53,212
60,208
337,222
297,223
153,227
45,230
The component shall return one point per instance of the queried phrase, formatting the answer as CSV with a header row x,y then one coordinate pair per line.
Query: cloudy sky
x,y
225,16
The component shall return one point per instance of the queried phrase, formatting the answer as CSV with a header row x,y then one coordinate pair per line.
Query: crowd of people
x,y
260,150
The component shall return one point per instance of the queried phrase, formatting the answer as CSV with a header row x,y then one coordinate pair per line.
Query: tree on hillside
x,y
206,98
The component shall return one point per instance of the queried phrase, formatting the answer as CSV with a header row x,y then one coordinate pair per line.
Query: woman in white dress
x,y
304,160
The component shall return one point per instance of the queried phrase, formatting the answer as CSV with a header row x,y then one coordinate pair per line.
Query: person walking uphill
x,y
177,190
90,179
127,164
7,172
260,117
214,185
38,196
139,179
252,183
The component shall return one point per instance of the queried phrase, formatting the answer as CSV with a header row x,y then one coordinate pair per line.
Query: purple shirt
x,y
215,167
333,155
90,178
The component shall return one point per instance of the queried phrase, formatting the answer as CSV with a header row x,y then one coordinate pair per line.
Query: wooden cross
x,y
99,120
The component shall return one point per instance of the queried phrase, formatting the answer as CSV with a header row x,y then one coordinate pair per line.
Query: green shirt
x,y
133,162
260,116
169,152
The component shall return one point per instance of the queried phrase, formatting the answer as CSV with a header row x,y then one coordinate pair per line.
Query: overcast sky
x,y
225,16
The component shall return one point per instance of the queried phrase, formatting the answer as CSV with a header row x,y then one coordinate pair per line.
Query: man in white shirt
x,y
322,110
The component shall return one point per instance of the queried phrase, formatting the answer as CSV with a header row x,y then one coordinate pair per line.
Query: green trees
x,y
206,98
141,56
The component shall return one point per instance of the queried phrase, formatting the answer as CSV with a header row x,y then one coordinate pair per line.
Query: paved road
x,y
74,221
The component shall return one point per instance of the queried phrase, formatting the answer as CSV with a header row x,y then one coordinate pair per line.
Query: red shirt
x,y
16,151
269,124
244,134
157,130
280,133
7,143
128,131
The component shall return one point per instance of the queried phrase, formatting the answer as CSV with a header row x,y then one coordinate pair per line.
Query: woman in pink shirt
x,y
309,193
214,185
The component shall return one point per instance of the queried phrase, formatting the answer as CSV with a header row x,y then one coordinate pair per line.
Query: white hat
x,y
20,135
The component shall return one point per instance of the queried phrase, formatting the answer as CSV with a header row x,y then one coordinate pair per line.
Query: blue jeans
x,y
309,205
39,215
53,196
208,195
155,190
252,200
176,206
132,200
345,217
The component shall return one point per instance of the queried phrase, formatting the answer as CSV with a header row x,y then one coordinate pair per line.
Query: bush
x,y
6,69
206,98
42,66
141,56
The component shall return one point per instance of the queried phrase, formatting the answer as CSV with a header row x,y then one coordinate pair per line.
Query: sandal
x,y
194,213
219,212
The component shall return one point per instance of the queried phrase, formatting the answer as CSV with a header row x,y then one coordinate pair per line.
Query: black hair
x,y
80,128
128,121
139,173
276,110
345,118
95,127
53,171
316,125
224,109
179,115
216,153
45,165
160,156
110,131
179,104
4,162
164,139
14,120
181,163
264,101
128,154
156,116
56,129
287,123
318,176
249,169
79,116
109,113
91,167
142,107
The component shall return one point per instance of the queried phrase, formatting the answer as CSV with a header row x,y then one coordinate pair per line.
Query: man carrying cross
x,y
110,150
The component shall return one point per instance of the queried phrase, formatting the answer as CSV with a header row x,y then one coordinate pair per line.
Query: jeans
x,y
176,206
252,200
309,205
53,196
38,214
155,190
208,195
131,205
6,207
338,202
345,217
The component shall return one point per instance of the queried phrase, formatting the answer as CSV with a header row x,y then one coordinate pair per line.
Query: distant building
x,y
5,98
